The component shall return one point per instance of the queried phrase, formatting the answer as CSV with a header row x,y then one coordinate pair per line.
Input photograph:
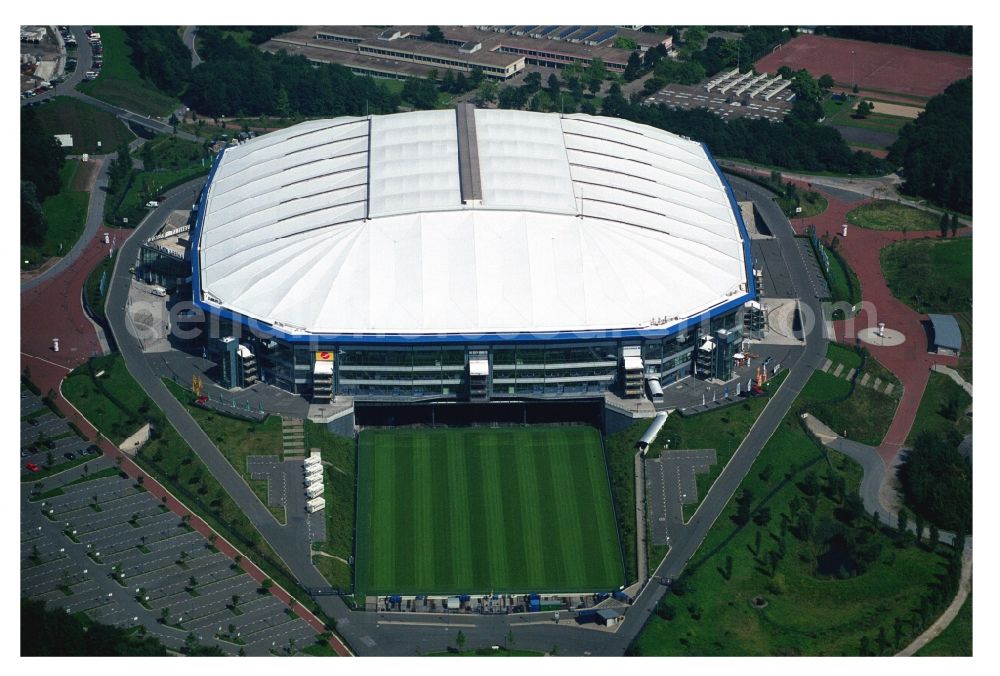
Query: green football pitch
x,y
518,509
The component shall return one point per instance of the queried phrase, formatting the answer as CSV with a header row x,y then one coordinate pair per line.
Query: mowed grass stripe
x,y
459,513
426,560
570,516
383,517
442,487
603,514
593,544
531,507
501,505
399,453
512,505
543,448
366,487
484,517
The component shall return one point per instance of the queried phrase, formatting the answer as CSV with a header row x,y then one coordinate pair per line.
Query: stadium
x,y
470,255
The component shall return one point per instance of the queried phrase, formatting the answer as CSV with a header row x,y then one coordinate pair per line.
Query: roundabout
x,y
881,337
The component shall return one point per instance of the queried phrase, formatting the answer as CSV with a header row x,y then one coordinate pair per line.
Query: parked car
x,y
33,422
69,455
49,444
25,452
32,467
90,450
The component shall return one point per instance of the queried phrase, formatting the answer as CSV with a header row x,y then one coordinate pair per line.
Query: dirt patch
x,y
874,66
86,175
910,112
875,152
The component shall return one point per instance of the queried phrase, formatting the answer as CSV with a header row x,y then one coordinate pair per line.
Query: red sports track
x,y
876,67
54,309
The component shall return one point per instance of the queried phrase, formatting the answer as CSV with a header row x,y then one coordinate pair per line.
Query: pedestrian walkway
x,y
909,361
293,438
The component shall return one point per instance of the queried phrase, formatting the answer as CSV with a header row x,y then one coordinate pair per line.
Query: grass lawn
x,y
120,83
930,275
116,418
843,113
339,459
866,414
92,286
931,415
169,459
723,429
66,213
956,639
146,186
844,283
237,439
889,215
513,509
320,649
808,611
87,125
336,572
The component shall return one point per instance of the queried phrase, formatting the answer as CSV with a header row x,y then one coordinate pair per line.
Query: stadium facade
x,y
470,254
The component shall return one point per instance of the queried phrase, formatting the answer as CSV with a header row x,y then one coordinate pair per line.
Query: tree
x,y
762,516
33,223
460,639
954,225
633,68
866,648
902,519
587,107
448,82
932,537
918,523
235,598
421,92
488,90
825,82
943,225
533,82
864,109
595,74
555,88
729,567
434,34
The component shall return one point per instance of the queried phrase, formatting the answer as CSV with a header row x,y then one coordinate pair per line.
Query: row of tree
x,y
160,56
42,158
937,480
935,150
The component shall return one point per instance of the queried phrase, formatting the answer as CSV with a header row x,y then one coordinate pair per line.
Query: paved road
x,y
189,38
85,63
95,216
883,187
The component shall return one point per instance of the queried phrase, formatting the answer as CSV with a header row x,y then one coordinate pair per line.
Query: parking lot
x,y
93,541
670,483
47,441
725,106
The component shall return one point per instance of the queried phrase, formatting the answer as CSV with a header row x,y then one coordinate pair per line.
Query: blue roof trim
x,y
196,235
747,257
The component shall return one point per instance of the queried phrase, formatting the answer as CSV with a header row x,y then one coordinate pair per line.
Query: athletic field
x,y
516,509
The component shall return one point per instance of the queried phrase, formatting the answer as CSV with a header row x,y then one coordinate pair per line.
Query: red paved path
x,y
54,309
910,362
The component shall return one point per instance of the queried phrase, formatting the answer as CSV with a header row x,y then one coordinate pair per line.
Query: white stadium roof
x,y
569,223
